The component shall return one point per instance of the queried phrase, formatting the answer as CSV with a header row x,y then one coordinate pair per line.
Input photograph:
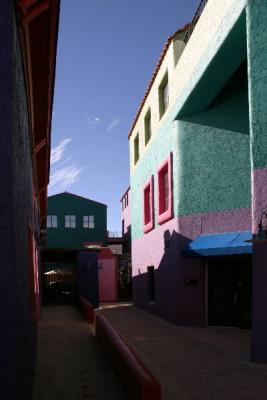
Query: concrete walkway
x,y
192,363
70,362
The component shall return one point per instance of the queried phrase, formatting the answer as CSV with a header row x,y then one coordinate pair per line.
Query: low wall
x,y
137,380
87,309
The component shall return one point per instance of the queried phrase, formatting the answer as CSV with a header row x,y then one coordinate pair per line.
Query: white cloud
x,y
58,151
92,120
113,123
63,173
65,177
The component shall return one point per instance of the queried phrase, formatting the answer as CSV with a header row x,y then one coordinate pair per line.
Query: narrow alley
x,y
70,363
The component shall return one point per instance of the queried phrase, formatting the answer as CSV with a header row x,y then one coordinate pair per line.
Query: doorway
x,y
229,292
59,282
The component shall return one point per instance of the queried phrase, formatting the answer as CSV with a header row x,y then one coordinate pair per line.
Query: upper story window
x,y
147,127
165,199
163,95
89,221
136,148
148,194
51,221
70,221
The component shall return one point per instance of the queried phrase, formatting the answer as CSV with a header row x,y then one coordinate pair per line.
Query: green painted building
x,y
73,222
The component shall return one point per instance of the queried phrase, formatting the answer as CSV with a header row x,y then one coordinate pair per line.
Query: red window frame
x,y
165,200
148,198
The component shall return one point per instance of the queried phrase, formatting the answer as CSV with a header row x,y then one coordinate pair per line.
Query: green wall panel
x,y
211,157
158,151
72,238
257,48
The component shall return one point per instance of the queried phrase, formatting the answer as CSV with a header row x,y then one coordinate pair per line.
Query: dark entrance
x,y
59,282
124,279
229,292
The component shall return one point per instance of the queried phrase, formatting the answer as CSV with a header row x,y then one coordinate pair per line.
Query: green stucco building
x,y
198,175
74,222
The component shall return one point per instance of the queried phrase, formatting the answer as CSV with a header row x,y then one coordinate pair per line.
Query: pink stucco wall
x,y
107,280
162,247
149,249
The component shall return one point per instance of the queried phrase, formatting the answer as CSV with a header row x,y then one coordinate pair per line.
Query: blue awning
x,y
219,244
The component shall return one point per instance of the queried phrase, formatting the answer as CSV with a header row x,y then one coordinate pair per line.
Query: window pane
x,y
54,221
85,221
136,149
147,127
163,95
48,221
91,221
73,221
166,190
147,209
166,96
67,221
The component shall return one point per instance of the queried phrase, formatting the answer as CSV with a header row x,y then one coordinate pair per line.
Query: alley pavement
x,y
192,363
71,365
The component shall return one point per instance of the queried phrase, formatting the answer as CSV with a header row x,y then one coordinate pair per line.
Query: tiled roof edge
x,y
161,58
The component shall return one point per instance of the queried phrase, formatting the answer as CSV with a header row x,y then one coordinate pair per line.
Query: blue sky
x,y
107,51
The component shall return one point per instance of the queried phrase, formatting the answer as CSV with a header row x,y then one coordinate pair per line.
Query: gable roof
x,y
153,77
77,196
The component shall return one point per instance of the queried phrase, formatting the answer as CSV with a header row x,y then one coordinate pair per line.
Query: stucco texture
x,y
257,61
210,33
257,51
211,165
73,238
17,327
158,151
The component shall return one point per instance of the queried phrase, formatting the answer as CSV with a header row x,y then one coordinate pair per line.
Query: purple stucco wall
x,y
259,196
215,222
17,327
162,247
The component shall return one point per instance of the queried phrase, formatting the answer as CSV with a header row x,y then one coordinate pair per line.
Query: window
x,y
163,95
148,206
136,148
151,283
51,221
147,127
165,195
89,221
70,221
122,226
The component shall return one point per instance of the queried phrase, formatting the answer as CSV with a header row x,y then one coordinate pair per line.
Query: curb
x,y
137,380
87,309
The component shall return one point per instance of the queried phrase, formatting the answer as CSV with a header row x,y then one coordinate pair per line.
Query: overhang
x,y
38,21
219,244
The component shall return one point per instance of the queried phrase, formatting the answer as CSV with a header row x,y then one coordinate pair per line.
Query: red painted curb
x,y
87,309
137,380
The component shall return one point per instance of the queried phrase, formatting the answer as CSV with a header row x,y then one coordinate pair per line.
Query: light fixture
x,y
261,236
262,231
40,237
